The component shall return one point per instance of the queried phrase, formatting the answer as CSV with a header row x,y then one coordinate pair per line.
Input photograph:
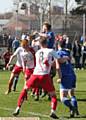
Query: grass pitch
x,y
40,108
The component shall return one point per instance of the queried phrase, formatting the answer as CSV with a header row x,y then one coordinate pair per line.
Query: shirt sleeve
x,y
54,54
59,54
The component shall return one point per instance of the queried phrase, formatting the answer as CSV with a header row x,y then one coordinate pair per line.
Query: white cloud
x,y
5,5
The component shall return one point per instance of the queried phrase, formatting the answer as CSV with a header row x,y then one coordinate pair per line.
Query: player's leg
x,y
35,91
21,99
66,101
47,86
52,74
74,100
44,93
17,71
36,94
29,84
53,104
15,81
27,74
10,83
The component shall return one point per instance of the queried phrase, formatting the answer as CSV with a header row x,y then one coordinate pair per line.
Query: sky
x,y
5,5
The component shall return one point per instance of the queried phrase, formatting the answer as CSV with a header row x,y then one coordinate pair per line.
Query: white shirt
x,y
28,59
44,61
18,52
35,45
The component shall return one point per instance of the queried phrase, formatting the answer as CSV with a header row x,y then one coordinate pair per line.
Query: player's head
x,y
46,27
43,41
24,43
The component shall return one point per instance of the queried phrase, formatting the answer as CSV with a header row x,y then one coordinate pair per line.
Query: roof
x,y
13,26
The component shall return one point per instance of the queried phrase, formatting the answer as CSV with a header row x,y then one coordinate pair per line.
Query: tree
x,y
78,1
79,10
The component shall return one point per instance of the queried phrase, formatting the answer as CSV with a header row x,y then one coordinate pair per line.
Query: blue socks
x,y
74,101
67,102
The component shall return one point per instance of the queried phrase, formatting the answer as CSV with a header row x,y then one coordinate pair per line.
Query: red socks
x,y
23,95
54,103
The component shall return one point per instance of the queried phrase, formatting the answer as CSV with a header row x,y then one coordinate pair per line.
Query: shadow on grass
x,y
80,99
76,117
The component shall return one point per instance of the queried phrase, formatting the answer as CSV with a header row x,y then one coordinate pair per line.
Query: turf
x,y
40,108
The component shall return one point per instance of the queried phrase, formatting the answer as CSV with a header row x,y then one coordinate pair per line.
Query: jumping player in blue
x,y
67,81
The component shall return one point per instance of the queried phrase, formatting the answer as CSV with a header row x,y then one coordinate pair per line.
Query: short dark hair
x,y
47,25
43,40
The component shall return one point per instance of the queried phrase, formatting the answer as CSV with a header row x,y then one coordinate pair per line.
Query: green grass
x,y
42,107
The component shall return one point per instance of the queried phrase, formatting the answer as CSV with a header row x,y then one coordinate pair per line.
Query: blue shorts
x,y
68,82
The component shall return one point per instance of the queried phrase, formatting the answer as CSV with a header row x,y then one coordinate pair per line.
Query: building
x,y
4,19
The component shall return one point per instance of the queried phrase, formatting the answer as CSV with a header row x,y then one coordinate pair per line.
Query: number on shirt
x,y
41,56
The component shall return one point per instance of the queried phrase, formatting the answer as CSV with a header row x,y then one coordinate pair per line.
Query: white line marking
x,y
37,114
31,113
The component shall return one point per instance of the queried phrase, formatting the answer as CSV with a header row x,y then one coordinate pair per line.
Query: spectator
x,y
77,54
83,55
10,40
68,45
6,56
5,38
15,44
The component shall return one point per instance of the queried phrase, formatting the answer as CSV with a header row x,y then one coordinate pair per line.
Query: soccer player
x,y
41,77
28,61
67,80
47,32
18,66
